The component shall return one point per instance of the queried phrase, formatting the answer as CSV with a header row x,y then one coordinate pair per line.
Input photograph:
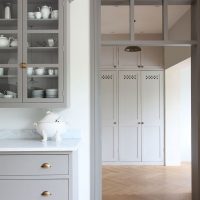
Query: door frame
x,y
95,136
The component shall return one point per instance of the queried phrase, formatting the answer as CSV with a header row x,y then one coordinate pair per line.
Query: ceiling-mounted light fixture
x,y
132,49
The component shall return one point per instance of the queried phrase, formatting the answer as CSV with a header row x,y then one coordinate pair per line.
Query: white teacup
x,y
30,71
50,72
38,15
51,42
54,14
1,71
31,15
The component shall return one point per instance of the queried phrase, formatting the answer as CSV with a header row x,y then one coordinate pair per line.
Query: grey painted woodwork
x,y
23,177
33,49
33,189
32,165
132,116
116,57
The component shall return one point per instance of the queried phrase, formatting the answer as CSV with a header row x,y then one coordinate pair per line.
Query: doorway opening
x,y
145,100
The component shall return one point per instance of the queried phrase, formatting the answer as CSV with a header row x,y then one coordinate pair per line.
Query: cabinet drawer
x,y
34,189
34,165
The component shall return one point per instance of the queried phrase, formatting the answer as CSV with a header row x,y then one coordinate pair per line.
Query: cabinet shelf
x,y
43,76
8,49
42,31
42,22
42,49
8,22
8,76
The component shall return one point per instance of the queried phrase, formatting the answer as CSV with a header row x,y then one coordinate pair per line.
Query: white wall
x,y
180,31
78,114
178,113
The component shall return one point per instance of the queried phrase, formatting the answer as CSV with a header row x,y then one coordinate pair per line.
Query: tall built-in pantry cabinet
x,y
33,65
132,105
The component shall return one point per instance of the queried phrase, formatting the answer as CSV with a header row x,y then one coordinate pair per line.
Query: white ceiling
x,y
115,19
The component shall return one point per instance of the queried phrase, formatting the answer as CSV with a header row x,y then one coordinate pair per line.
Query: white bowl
x,y
31,15
8,96
14,95
40,71
1,95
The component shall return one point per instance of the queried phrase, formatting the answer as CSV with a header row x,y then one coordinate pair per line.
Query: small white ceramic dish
x,y
40,71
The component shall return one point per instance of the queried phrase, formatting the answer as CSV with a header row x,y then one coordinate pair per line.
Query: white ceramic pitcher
x,y
45,10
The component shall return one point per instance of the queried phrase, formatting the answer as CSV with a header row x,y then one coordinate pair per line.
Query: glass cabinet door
x,y
10,51
43,51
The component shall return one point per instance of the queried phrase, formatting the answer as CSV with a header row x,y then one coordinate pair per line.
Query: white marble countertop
x,y
13,145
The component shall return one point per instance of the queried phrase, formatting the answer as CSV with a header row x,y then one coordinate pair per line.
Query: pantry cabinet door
x,y
108,57
108,114
129,116
152,116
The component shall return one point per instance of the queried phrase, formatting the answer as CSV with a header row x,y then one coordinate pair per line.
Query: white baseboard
x,y
134,163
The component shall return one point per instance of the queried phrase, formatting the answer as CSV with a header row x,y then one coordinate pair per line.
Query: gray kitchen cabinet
x,y
33,72
36,175
150,58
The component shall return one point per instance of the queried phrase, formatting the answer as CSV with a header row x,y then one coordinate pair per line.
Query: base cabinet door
x,y
34,189
152,116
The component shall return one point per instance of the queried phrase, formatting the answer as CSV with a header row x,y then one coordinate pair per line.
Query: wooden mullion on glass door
x,y
25,44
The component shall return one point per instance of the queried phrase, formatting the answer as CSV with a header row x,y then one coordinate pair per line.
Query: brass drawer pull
x,y
46,166
46,194
23,65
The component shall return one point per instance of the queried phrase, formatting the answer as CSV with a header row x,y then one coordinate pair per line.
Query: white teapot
x,y
51,126
4,41
45,11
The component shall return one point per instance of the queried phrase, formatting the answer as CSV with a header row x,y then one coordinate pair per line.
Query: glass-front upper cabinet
x,y
33,36
43,51
10,50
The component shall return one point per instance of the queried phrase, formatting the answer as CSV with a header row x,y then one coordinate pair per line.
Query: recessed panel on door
x,y
128,59
108,96
108,56
129,116
129,143
152,115
108,114
108,143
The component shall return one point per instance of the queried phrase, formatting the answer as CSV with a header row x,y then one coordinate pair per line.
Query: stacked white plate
x,y
37,93
51,93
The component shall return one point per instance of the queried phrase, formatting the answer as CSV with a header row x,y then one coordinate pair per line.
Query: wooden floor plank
x,y
147,182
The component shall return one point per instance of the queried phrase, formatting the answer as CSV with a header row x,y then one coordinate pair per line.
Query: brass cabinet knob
x,y
46,194
46,165
23,65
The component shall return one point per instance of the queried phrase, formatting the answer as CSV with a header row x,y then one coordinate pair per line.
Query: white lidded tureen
x,y
4,41
51,126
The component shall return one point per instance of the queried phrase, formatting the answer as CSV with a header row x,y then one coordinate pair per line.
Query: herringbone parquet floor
x,y
147,183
